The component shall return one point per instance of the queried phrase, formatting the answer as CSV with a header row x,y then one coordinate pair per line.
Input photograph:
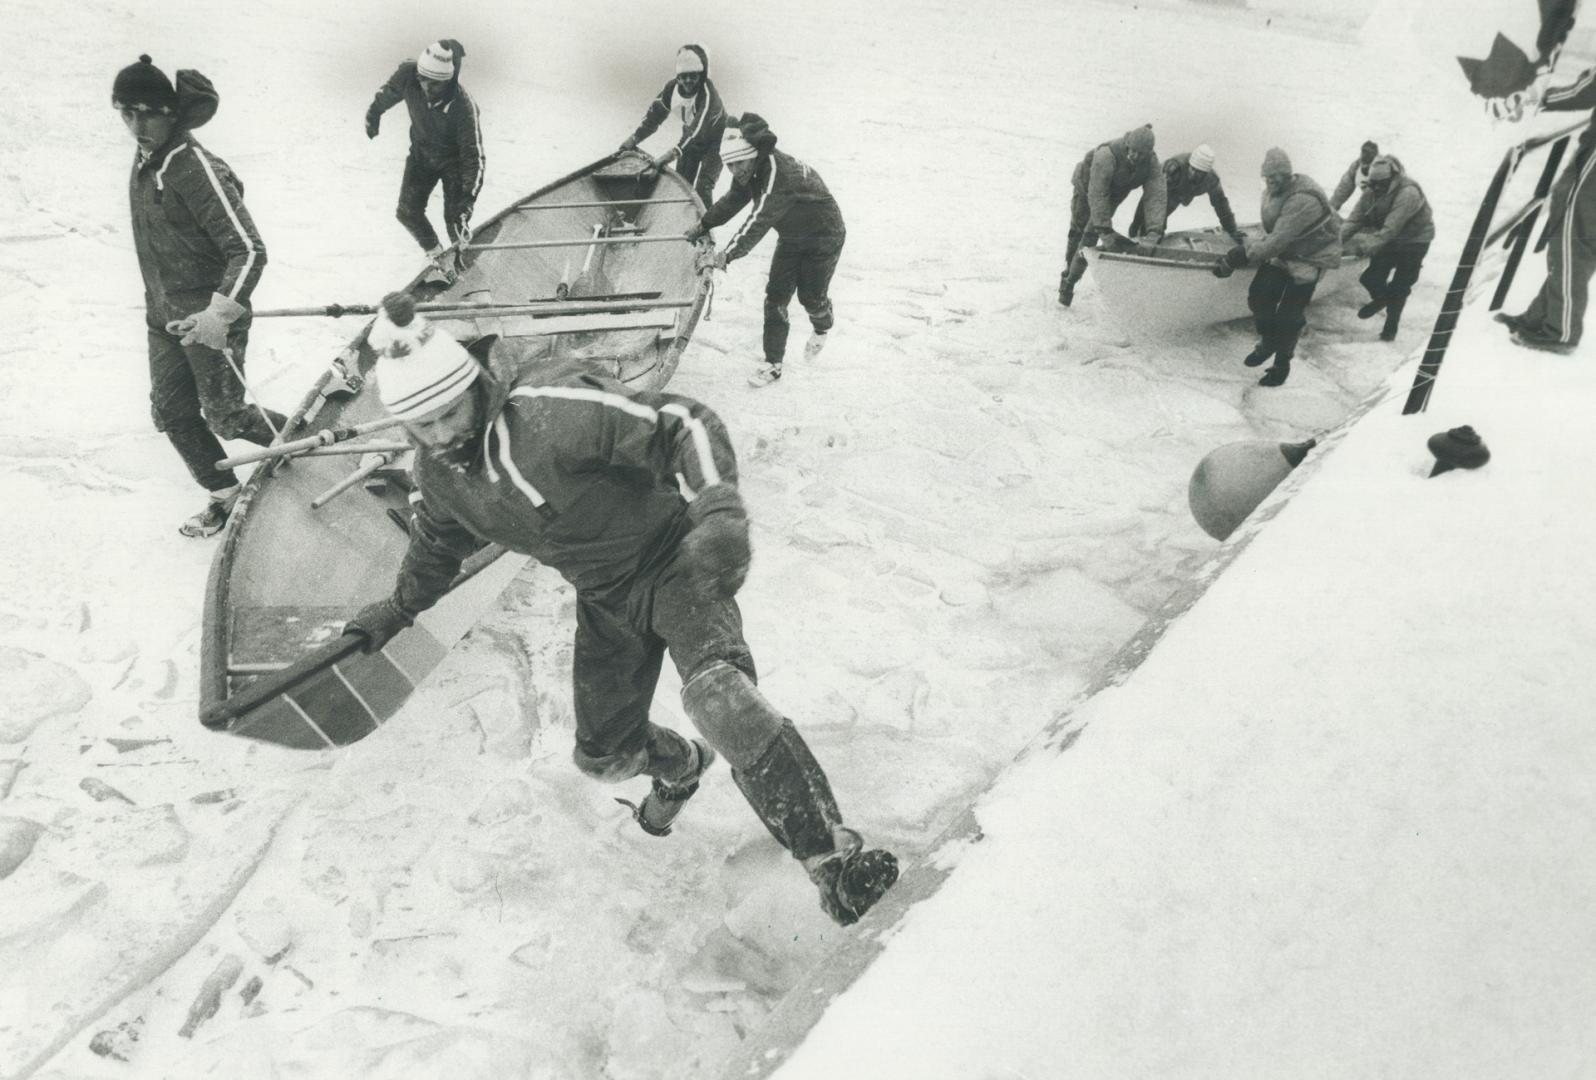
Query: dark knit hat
x,y
144,87
757,132
1460,448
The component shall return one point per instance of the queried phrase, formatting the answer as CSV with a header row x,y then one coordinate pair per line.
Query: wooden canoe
x,y
1172,288
593,267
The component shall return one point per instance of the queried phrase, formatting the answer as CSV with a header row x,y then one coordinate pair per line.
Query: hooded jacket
x,y
1107,176
575,469
788,196
444,133
703,118
1301,232
191,230
1398,215
1355,179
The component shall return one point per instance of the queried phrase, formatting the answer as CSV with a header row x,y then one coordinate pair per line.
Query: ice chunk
x,y
36,689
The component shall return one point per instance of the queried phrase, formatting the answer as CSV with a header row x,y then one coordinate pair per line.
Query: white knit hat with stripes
x,y
733,147
422,369
436,62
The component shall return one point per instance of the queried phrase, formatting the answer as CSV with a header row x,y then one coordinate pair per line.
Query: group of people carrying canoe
x,y
1303,233
546,461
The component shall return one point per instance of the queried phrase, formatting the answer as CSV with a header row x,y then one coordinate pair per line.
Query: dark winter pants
x,y
414,191
702,173
804,265
1392,271
1558,310
622,635
1278,302
195,397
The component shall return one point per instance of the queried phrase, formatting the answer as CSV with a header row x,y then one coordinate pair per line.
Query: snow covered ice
x,y
961,508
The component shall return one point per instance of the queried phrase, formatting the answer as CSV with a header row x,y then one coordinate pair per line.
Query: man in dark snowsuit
x,y
1392,224
632,496
445,145
1187,176
201,259
1102,180
1302,239
1555,319
791,198
691,97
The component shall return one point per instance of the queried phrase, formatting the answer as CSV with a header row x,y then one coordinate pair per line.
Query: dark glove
x,y
1222,268
1236,257
1239,237
373,122
1089,238
378,623
716,549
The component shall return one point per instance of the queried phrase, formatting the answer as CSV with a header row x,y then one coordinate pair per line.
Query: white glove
x,y
208,327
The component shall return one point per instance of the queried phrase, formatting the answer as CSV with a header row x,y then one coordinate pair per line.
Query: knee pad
x,y
732,714
610,768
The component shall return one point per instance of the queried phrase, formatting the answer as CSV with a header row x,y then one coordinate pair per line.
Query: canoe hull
x,y
1173,290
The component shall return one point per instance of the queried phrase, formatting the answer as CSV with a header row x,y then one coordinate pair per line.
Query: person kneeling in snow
x,y
201,259
1392,224
791,198
1302,239
632,496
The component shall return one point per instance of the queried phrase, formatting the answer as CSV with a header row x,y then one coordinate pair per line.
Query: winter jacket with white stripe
x,y
582,473
703,120
191,231
442,133
788,196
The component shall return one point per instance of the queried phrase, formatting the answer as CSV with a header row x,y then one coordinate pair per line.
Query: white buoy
x,y
1231,481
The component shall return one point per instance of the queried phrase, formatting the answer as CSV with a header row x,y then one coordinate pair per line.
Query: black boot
x,y
1375,305
1393,318
1260,353
1277,374
1066,289
789,791
850,878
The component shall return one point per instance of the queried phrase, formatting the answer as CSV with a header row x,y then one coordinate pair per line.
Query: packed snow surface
x,y
961,510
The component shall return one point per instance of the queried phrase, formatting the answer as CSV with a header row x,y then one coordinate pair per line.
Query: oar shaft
x,y
326,437
345,449
383,459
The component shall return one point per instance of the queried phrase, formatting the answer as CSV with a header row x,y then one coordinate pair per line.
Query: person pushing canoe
x,y
445,146
632,496
693,99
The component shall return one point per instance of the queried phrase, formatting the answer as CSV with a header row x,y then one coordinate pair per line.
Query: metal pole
x,y
522,245
590,205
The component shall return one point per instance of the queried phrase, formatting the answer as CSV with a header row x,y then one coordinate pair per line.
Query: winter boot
x,y
1531,340
1514,323
765,374
1276,375
1066,289
1260,353
444,269
1375,305
816,342
851,879
212,519
661,805
1393,319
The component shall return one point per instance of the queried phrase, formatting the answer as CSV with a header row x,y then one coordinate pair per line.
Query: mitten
x,y
716,548
378,623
